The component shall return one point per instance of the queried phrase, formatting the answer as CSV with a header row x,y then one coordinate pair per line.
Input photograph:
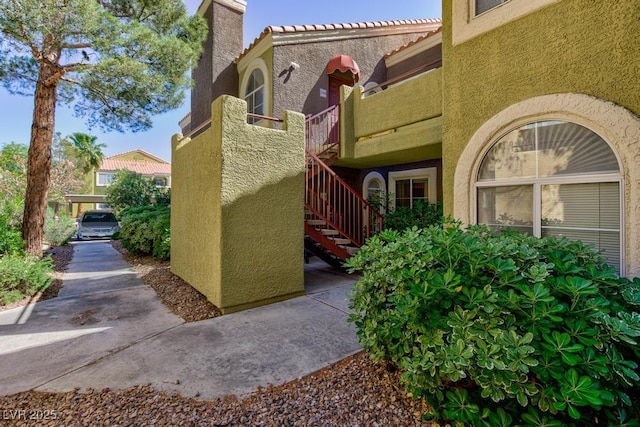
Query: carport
x,y
70,199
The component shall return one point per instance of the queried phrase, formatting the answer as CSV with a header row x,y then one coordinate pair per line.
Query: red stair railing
x,y
323,132
331,199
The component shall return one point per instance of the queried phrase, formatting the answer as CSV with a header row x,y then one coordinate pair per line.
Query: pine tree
x,y
118,61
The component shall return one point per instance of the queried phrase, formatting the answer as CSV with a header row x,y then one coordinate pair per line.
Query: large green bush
x,y
501,330
23,276
130,189
422,214
146,230
58,228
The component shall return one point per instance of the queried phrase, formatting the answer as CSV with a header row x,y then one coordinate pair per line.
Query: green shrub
x,y
10,239
421,215
10,221
501,330
130,189
58,228
23,276
145,230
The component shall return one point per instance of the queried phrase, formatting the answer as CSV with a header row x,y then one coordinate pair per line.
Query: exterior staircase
x,y
338,220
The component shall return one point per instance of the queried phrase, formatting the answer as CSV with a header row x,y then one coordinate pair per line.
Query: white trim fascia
x,y
185,121
302,37
255,52
237,5
413,50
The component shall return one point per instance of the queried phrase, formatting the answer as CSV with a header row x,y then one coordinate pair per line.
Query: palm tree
x,y
88,153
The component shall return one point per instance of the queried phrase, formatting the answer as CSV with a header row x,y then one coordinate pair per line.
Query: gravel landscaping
x,y
352,392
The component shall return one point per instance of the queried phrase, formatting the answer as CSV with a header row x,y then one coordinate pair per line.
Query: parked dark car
x,y
97,224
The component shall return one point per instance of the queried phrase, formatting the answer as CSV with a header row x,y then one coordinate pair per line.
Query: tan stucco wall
x,y
237,212
586,50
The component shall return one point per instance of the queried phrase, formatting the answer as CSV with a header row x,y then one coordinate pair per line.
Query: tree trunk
x,y
39,160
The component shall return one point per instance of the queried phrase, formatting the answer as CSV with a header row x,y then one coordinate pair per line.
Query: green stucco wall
x,y
237,209
410,101
401,124
573,46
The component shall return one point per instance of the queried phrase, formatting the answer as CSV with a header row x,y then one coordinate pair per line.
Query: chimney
x,y
216,73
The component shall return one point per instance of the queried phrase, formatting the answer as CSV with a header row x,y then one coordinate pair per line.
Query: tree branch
x,y
76,46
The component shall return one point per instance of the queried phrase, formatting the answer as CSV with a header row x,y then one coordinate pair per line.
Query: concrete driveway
x,y
107,329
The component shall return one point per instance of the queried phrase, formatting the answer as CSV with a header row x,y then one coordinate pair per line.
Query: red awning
x,y
343,63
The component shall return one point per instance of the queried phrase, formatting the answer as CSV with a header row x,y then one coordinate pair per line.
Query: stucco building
x,y
139,161
518,113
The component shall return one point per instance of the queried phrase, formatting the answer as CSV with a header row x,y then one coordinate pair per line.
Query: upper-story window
x,y
254,95
470,18
105,178
160,181
481,6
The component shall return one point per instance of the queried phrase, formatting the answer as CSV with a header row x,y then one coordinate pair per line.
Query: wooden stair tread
x,y
316,222
340,241
352,250
330,232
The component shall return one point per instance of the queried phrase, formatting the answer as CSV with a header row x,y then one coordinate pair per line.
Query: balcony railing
x,y
323,132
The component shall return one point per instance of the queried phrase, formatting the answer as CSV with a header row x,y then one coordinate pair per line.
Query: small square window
x,y
160,181
105,179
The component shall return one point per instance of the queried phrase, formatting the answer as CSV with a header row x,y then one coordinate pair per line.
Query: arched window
x,y
553,178
254,95
373,192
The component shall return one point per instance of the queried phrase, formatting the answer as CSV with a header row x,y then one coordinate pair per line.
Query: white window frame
x,y
538,182
106,174
431,174
166,178
258,64
466,25
373,176
474,14
537,185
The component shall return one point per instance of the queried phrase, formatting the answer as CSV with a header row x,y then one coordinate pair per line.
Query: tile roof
x,y
141,151
138,166
143,167
414,42
343,26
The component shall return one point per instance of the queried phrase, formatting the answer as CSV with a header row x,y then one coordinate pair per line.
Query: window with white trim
x,y
470,18
373,190
105,178
553,178
254,95
160,181
406,187
481,6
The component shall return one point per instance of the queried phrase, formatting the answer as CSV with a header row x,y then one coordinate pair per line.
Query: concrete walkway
x,y
107,329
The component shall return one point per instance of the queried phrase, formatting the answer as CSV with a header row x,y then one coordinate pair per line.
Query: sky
x,y
16,111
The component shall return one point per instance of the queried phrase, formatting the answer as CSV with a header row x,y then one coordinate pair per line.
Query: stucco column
x,y
237,209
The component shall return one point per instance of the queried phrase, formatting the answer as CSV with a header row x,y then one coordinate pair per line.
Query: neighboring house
x,y
519,113
139,161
